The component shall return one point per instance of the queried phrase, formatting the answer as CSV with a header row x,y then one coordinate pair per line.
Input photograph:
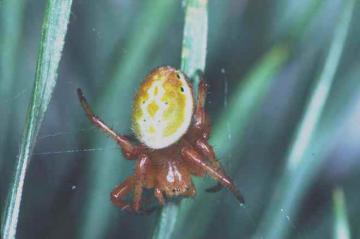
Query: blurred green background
x,y
284,100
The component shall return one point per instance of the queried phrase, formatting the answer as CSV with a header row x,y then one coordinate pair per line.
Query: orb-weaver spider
x,y
173,135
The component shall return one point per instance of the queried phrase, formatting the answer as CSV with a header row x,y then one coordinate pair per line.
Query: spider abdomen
x,y
163,108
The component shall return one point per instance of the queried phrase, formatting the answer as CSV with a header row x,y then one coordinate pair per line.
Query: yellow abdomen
x,y
163,108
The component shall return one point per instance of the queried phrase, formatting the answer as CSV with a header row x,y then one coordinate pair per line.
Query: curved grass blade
x,y
52,40
341,224
193,58
109,165
11,26
300,167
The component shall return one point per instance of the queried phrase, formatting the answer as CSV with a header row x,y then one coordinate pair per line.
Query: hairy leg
x,y
129,150
193,156
120,192
206,149
142,168
201,120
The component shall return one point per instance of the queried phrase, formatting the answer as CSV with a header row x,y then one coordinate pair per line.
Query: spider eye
x,y
177,75
182,89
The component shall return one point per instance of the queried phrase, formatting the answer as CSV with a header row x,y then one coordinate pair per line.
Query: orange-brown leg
x,y
201,120
193,156
120,192
194,169
130,151
143,166
208,151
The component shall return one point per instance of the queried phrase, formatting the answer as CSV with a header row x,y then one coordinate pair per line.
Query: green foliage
x,y
341,224
167,221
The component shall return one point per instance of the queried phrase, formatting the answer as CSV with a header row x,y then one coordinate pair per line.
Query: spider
x,y
173,132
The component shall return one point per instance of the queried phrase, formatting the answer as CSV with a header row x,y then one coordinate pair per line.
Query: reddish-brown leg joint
x,y
200,115
142,164
208,151
120,192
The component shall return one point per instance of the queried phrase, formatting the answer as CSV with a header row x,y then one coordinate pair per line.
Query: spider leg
x,y
201,120
192,155
121,191
208,151
142,168
130,151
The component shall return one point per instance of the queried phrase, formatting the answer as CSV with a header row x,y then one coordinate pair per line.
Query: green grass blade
x,y
11,26
193,58
241,108
341,224
193,54
167,220
109,165
300,168
52,40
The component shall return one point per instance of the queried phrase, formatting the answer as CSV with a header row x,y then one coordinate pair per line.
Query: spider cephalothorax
x,y
173,135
